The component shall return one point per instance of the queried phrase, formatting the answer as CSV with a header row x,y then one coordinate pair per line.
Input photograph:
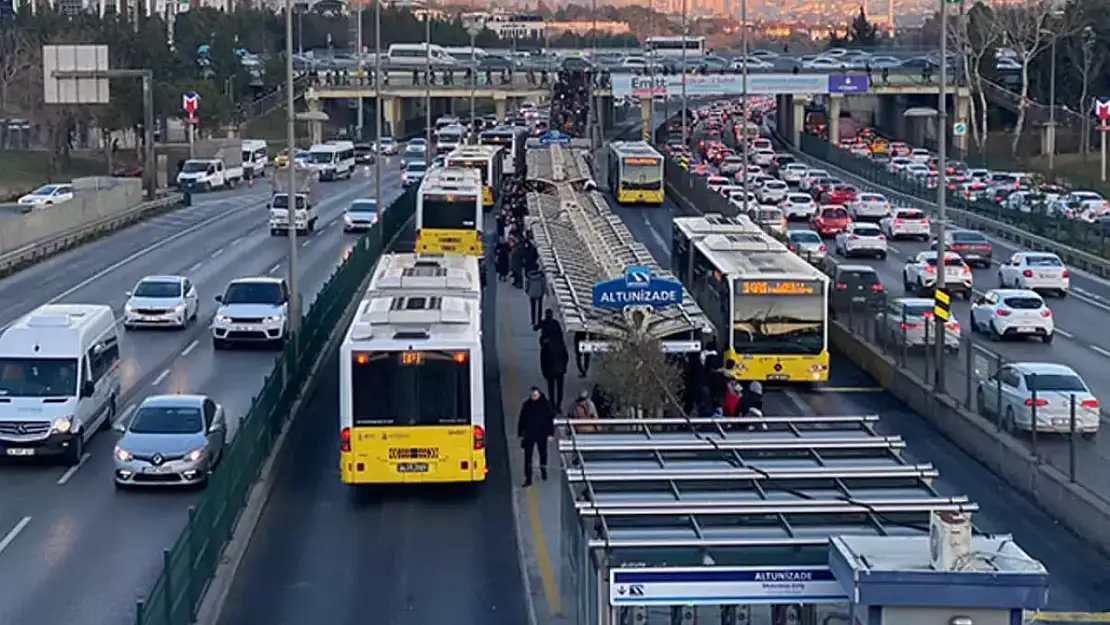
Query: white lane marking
x,y
234,241
305,244
161,377
195,266
189,349
891,249
6,541
1100,350
276,268
1065,333
73,470
217,252
1090,298
123,416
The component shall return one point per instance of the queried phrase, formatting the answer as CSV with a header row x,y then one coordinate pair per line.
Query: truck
x,y
215,164
303,188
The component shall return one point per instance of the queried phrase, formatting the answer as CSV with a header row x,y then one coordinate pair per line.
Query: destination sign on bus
x,y
412,358
779,287
496,139
449,197
466,163
641,160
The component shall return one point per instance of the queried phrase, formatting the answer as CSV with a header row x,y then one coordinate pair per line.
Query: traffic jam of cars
x,y
867,243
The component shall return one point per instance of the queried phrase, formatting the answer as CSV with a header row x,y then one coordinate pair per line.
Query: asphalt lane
x,y
404,556
1080,576
1086,351
70,529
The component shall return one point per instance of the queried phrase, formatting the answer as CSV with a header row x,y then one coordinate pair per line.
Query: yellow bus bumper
x,y
363,468
640,197
466,242
780,368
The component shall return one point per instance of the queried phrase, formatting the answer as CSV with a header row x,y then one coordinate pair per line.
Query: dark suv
x,y
855,287
972,246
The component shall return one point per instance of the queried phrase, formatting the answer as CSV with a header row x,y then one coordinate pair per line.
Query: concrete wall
x,y
94,199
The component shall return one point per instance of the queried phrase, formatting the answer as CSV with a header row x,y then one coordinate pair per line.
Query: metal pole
x,y
942,189
149,166
743,97
360,120
1102,148
428,89
1052,108
651,73
591,80
473,77
685,33
378,121
291,139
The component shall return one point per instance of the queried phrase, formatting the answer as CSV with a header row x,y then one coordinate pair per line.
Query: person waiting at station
x,y
535,425
553,365
535,287
584,408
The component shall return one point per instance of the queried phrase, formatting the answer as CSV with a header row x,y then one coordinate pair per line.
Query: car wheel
x,y
971,323
218,344
76,450
882,256
995,334
1048,337
980,402
1009,423
1090,436
106,424
1001,281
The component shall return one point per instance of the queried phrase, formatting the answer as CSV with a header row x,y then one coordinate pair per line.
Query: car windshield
x,y
859,276
834,213
1043,261
917,310
416,167
800,199
387,141
800,236
1023,302
951,261
867,230
38,377
1054,382
321,158
47,190
158,288
911,215
968,237
363,206
253,293
192,167
870,197
167,420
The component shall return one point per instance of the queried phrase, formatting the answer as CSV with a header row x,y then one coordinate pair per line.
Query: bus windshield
x,y
778,324
411,388
458,213
482,168
640,176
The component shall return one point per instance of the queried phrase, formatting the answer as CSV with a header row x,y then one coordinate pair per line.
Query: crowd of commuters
x,y
570,102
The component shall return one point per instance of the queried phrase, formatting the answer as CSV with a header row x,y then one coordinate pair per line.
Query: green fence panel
x,y
1076,233
191,561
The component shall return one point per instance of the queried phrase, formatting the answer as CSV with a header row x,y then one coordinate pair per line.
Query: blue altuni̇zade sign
x,y
638,287
554,137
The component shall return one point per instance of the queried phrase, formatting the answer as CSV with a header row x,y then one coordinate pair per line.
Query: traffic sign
x,y
959,129
638,287
942,303
554,137
1102,109
190,102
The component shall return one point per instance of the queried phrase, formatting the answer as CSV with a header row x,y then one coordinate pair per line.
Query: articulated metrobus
x,y
512,139
635,173
486,159
411,399
770,306
449,212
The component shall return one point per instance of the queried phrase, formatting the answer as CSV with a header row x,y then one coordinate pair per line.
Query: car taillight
x,y
1046,313
1089,403
345,440
479,438
909,326
952,325
930,269
882,237
820,248
840,286
1002,312
876,287
1028,273
1036,402
852,237
1065,273
792,248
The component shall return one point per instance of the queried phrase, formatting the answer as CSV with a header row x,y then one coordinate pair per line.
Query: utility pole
x,y
685,35
291,139
360,119
1052,107
940,334
427,87
473,30
744,95
378,122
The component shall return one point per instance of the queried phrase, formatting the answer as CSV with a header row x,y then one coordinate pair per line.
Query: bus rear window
x,y
410,388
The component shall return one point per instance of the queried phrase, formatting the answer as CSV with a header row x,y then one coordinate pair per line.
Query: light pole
x,y
473,29
940,333
291,138
378,120
744,96
685,35
1052,104
427,88
360,119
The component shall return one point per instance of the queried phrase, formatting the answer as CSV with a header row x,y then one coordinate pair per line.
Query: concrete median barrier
x,y
1075,507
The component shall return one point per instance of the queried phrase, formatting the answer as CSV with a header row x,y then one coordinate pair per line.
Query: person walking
x,y
535,287
584,408
501,261
553,366
535,424
550,330
516,262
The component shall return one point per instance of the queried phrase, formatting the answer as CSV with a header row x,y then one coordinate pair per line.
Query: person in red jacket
x,y
730,403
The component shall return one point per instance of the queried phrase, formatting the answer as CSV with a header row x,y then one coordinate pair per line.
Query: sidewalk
x,y
538,508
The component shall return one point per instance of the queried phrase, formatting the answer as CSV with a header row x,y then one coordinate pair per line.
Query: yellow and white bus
x,y
512,140
770,307
449,212
486,159
635,173
411,402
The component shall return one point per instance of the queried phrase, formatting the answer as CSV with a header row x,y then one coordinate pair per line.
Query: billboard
x,y
697,85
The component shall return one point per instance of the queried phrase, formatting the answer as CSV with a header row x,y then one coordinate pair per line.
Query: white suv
x,y
252,310
920,274
1005,313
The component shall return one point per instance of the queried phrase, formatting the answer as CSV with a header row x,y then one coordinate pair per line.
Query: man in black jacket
x,y
535,425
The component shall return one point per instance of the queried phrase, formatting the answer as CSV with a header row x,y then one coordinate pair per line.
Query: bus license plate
x,y
778,378
412,467
21,451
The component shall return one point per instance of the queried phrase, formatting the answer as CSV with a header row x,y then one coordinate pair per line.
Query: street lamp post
x,y
378,119
360,118
940,333
473,29
685,35
1052,107
744,97
291,138
427,88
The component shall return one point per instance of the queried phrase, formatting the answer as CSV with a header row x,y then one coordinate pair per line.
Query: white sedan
x,y
799,205
793,173
772,192
1022,393
822,62
908,223
873,206
1037,271
861,239
161,302
46,195
1009,313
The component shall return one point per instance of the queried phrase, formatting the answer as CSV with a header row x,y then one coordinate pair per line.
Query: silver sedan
x,y
171,440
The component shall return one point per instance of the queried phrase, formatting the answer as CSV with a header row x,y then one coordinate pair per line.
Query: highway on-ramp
x,y
72,548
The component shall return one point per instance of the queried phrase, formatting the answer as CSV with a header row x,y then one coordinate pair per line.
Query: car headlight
x,y
347,219
223,319
128,308
180,308
195,454
62,425
122,455
272,319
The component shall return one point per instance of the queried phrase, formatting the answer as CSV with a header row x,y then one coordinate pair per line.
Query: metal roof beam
x,y
921,471
752,444
793,507
671,421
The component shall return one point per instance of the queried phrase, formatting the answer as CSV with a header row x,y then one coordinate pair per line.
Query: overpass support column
x,y
835,102
799,122
394,111
645,119
316,128
963,114
782,121
501,107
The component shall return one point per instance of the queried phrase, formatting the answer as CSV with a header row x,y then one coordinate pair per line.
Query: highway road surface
x,y
72,548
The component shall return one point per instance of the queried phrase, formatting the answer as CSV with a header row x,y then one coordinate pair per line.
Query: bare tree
x,y
1091,65
638,377
16,58
976,37
1029,29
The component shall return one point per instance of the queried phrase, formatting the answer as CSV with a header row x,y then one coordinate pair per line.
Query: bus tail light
x,y
345,440
479,438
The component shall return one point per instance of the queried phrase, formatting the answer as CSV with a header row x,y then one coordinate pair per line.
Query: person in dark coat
x,y
550,330
516,264
535,425
751,399
535,287
501,261
553,365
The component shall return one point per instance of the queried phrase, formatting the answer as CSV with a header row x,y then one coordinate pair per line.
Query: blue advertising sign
x,y
697,85
638,287
554,137
849,83
724,586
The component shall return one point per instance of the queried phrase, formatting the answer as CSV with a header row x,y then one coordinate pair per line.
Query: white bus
x,y
672,46
449,212
332,160
411,388
417,54
449,137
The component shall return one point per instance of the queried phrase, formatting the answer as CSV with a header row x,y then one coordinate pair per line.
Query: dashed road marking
x,y
6,541
195,266
1065,333
161,377
189,349
70,472
217,252
1100,350
305,243
276,268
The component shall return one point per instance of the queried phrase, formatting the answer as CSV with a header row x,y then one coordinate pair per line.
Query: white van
x,y
59,380
333,160
417,54
255,156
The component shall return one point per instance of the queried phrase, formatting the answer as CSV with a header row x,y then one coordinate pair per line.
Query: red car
x,y
830,220
839,194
